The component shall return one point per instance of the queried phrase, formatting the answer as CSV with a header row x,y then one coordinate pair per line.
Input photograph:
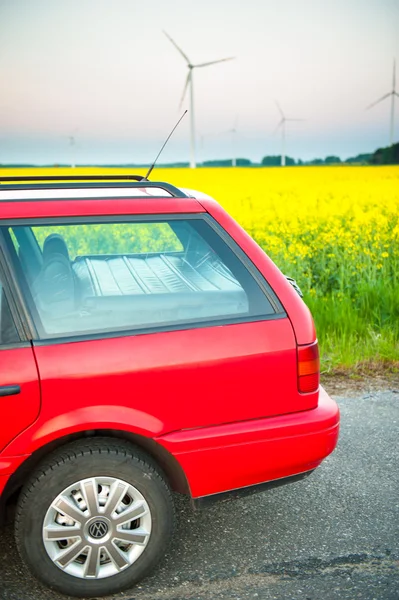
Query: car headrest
x,y
54,288
54,244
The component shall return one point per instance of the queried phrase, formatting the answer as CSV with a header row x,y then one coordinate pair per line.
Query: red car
x,y
147,344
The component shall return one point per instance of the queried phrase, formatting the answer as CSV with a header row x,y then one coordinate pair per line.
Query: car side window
x,y
141,275
8,331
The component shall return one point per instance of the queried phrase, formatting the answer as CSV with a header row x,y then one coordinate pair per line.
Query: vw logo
x,y
98,529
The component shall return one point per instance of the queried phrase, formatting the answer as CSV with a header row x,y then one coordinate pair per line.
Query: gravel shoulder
x,y
355,384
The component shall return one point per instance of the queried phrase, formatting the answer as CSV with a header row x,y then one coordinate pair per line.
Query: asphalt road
x,y
332,536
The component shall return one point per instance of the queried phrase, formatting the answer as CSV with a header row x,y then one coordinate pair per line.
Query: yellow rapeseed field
x,y
330,216
335,229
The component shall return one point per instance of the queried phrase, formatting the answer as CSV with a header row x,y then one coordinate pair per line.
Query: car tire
x,y
94,518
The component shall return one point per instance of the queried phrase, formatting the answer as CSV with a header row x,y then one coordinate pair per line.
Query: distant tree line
x,y
271,161
382,156
386,156
240,162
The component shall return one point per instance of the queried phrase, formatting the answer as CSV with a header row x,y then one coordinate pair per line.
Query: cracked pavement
x,y
333,536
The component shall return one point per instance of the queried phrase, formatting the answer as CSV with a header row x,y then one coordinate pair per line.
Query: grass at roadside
x,y
335,229
358,331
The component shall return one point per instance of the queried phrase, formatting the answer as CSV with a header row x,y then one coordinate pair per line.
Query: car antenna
x,y
159,153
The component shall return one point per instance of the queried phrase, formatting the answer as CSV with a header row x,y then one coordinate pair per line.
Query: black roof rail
x,y
133,181
72,178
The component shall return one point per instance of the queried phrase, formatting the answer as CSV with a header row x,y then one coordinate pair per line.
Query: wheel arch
x,y
171,468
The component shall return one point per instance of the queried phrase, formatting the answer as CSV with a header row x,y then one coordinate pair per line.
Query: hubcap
x,y
97,527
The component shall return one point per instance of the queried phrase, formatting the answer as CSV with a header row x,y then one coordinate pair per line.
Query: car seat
x,y
54,289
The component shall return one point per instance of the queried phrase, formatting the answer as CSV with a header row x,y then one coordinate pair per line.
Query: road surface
x,y
334,535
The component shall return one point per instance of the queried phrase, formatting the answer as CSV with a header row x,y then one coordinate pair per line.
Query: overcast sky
x,y
103,72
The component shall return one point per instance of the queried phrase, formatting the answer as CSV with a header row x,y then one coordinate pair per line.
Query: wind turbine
x,y
189,82
233,133
281,124
71,137
72,143
392,93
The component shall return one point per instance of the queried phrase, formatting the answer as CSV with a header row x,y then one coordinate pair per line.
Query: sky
x,y
98,82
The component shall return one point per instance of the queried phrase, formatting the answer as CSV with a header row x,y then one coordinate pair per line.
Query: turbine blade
x,y
394,75
279,124
379,100
280,110
187,83
177,47
213,62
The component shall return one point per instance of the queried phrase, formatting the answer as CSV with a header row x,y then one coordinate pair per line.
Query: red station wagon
x,y
147,344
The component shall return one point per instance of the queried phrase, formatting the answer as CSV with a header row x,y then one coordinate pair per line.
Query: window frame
x,y
32,318
8,285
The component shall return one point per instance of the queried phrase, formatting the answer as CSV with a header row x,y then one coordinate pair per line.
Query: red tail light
x,y
308,368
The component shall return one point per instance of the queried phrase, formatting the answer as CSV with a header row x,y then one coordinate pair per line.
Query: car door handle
x,y
9,390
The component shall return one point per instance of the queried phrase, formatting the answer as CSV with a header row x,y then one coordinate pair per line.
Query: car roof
x,y
91,196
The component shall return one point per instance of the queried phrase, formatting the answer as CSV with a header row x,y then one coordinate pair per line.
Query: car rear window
x,y
91,277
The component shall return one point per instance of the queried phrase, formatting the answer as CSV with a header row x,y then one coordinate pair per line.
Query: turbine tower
x,y
73,146
392,93
233,133
189,82
281,124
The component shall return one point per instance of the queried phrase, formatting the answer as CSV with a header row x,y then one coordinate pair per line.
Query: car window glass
x,y
8,331
105,277
113,238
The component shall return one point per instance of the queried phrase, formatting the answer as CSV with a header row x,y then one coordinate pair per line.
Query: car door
x,y
19,384
156,321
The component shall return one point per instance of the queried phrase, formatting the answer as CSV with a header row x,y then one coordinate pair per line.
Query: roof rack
x,y
58,182
73,178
